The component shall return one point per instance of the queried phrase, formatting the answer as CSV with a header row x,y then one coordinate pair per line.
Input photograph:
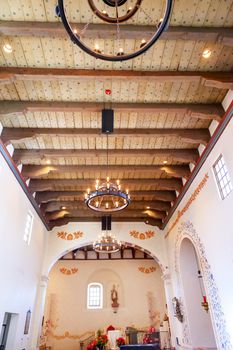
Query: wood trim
x,y
192,110
35,171
58,205
49,196
39,185
221,35
157,214
182,155
21,182
66,220
188,135
215,137
219,80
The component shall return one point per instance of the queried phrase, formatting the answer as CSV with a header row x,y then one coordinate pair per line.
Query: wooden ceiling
x,y
125,253
52,94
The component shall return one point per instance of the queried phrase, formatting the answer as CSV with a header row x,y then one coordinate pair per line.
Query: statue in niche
x,y
114,298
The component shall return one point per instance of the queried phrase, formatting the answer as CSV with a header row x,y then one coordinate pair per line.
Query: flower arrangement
x,y
99,342
120,341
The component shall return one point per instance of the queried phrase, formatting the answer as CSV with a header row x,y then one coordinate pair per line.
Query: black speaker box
x,y
107,120
106,223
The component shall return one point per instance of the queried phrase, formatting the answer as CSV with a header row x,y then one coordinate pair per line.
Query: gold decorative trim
x,y
191,199
70,236
68,272
147,269
140,235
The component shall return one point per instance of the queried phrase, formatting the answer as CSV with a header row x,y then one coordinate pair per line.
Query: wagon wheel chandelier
x,y
115,13
108,197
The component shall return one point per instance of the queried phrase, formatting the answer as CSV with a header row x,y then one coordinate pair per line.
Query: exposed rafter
x,y
220,80
156,214
48,196
182,155
35,171
66,220
204,111
58,205
56,29
188,135
38,185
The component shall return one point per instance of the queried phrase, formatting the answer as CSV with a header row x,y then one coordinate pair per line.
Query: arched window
x,y
95,296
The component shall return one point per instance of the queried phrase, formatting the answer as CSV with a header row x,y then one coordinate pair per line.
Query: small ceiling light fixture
x,y
7,48
116,13
48,161
165,162
63,208
147,207
206,53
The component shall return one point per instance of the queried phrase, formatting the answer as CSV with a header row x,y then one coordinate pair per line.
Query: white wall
x,y
20,267
212,221
67,298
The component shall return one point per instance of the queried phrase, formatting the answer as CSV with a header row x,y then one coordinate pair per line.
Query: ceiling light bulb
x,y
108,179
63,208
117,204
106,205
118,182
7,48
143,42
96,204
206,53
75,31
147,207
88,191
48,161
127,191
165,162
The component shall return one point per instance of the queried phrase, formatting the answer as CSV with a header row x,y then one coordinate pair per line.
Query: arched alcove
x,y
199,320
140,288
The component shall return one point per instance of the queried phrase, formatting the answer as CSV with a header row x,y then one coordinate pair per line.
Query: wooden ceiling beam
x,y
38,185
221,35
182,155
66,220
58,205
192,110
35,171
219,80
188,135
156,214
50,196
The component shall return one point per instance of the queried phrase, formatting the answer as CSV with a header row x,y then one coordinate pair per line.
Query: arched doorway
x,y
199,320
137,277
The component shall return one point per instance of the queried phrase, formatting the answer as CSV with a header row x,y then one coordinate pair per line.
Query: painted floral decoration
x,y
70,236
68,272
140,235
147,269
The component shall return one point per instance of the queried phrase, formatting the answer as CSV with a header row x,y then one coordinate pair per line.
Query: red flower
x,y
120,341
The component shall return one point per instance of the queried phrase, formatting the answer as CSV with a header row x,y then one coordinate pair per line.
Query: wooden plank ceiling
x,y
52,94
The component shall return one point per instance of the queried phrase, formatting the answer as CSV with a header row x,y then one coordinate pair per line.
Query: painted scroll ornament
x,y
141,235
70,236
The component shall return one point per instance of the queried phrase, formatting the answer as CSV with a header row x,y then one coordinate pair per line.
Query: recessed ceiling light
x,y
206,53
7,48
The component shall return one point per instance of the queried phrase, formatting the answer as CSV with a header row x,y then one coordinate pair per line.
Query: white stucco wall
x,y
20,267
67,298
210,219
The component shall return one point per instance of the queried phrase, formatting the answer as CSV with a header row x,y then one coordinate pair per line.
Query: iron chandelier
x,y
108,196
114,13
106,243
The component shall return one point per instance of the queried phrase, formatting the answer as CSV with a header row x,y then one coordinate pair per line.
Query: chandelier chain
x,y
118,25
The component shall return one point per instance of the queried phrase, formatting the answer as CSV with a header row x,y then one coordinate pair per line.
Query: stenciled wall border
x,y
191,199
142,235
187,230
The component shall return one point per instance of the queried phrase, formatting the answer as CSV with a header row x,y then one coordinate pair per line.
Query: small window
x,y
95,296
28,228
222,177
